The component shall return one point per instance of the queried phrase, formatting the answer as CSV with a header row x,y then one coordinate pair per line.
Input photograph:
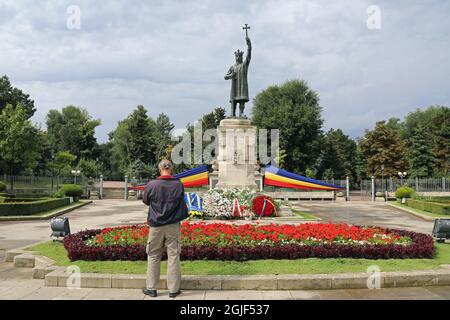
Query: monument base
x,y
236,165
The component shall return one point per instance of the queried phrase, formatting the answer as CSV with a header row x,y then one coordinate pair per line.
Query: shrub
x,y
2,199
71,190
58,195
404,192
433,207
2,186
30,208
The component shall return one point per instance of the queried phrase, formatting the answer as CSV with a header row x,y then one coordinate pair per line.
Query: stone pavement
x,y
26,289
365,213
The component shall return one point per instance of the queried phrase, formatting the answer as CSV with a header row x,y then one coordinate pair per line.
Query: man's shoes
x,y
150,293
173,295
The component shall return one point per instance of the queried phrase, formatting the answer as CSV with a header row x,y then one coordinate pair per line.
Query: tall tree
x,y
61,163
396,124
20,140
135,138
106,161
435,120
14,96
337,155
208,121
120,149
360,163
420,153
212,120
142,138
43,167
294,109
163,134
383,147
73,130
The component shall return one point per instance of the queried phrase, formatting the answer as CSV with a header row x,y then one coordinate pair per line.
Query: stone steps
x,y
113,193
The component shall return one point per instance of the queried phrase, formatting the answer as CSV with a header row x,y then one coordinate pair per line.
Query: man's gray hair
x,y
165,165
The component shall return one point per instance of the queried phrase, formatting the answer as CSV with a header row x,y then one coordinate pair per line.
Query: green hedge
x,y
72,190
433,207
440,199
13,200
30,208
2,186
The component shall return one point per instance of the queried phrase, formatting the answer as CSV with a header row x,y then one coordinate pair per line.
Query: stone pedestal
x,y
237,159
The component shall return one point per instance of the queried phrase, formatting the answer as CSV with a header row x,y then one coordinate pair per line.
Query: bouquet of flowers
x,y
194,204
215,205
264,206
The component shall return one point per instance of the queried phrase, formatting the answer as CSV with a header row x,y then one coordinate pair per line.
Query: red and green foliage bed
x,y
239,242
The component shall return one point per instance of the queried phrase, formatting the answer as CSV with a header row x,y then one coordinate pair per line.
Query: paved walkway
x,y
26,289
99,214
105,213
17,283
365,213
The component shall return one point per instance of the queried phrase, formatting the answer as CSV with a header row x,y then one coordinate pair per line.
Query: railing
x,y
42,184
363,188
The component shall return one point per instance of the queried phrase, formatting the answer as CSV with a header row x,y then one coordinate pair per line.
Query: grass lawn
x,y
304,215
56,251
426,213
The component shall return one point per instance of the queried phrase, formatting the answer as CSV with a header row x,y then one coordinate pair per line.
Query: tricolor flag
x,y
281,178
192,178
195,177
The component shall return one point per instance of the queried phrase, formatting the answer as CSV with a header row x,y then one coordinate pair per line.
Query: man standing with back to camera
x,y
167,208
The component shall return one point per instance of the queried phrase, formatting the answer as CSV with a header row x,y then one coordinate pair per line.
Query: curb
x,y
60,278
57,276
419,215
46,217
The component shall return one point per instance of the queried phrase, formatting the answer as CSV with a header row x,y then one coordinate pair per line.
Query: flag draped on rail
x,y
281,178
195,177
192,178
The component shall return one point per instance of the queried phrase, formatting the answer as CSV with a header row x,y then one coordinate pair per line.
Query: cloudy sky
x,y
171,56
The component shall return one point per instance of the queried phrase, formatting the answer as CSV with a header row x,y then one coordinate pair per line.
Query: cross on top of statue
x,y
246,28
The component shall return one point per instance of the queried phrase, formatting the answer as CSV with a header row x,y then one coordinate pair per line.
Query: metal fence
x,y
418,184
358,189
39,184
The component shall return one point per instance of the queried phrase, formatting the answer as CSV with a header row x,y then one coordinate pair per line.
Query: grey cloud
x,y
171,55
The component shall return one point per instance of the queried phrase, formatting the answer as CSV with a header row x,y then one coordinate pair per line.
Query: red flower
x,y
258,206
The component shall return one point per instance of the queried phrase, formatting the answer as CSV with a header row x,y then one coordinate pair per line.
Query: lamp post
x,y
402,175
96,168
52,171
75,174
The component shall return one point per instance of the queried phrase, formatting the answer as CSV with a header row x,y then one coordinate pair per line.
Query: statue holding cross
x,y
238,76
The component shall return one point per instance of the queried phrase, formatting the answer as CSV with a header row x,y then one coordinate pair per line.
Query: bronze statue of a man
x,y
238,76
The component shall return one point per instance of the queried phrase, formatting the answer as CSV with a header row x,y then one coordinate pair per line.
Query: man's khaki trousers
x,y
159,238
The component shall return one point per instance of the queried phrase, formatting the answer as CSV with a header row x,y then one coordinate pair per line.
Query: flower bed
x,y
222,241
236,203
